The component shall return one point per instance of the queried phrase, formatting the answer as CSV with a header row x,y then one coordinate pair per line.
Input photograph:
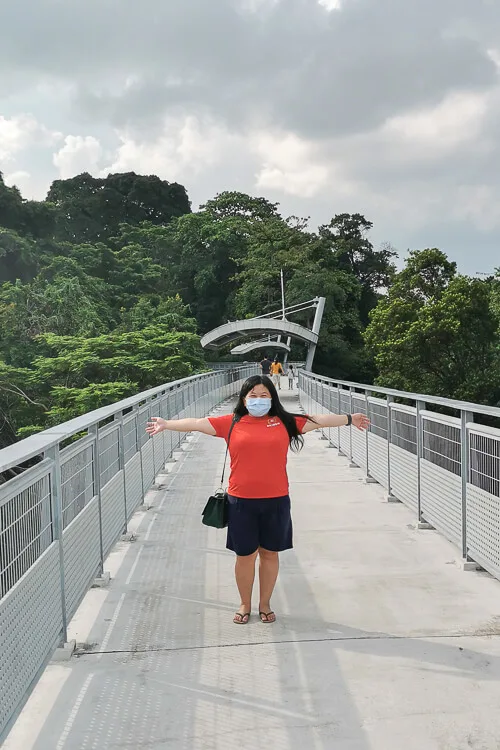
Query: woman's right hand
x,y
156,426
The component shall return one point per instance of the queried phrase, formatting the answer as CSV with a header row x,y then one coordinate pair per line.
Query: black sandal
x,y
242,620
267,615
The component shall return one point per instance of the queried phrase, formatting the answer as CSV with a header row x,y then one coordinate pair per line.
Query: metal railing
x,y
446,469
60,517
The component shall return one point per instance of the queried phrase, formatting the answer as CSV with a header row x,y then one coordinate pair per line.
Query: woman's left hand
x,y
360,421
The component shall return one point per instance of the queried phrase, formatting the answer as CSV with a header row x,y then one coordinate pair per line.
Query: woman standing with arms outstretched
x,y
260,523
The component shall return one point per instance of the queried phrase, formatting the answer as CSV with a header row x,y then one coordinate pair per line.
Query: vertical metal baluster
x,y
57,515
121,466
324,405
390,400
420,451
466,418
339,407
350,429
369,477
138,441
94,430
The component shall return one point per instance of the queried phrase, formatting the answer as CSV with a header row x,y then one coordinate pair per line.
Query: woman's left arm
x,y
360,421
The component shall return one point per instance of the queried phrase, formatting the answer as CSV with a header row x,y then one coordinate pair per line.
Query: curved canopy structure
x,y
271,324
242,328
251,346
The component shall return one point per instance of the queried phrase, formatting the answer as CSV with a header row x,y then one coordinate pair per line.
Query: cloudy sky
x,y
390,108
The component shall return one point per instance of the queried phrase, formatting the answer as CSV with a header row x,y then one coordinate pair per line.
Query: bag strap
x,y
235,419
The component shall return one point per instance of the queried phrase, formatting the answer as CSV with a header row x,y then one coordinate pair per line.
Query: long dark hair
x,y
276,410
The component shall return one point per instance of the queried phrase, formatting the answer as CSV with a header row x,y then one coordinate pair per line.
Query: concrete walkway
x,y
382,641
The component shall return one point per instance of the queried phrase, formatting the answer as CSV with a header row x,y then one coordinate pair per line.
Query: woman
x,y
277,372
291,376
260,523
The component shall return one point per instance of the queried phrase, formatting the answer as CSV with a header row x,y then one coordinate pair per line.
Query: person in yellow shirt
x,y
276,372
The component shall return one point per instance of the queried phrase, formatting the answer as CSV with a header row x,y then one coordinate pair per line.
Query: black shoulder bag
x,y
215,512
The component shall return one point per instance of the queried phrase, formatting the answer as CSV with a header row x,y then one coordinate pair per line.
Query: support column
x,y
285,359
320,309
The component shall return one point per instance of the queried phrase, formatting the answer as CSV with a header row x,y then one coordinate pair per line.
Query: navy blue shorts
x,y
262,522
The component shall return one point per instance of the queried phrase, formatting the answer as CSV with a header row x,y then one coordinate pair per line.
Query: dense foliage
x,y
107,285
438,332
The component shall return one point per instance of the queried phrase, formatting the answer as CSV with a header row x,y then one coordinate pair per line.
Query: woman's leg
x,y
245,573
268,573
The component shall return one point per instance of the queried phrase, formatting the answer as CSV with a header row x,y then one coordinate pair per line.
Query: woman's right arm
x,y
157,425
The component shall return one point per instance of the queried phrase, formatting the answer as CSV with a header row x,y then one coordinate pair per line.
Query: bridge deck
x,y
382,641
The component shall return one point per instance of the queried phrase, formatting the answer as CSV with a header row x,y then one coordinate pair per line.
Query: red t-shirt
x,y
258,449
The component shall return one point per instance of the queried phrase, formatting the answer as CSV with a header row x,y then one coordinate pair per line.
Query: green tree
x,y
19,402
72,374
144,358
152,309
18,256
90,209
308,269
11,207
32,218
234,204
62,299
436,332
346,238
204,252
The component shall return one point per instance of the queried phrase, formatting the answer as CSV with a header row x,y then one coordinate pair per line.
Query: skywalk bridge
x,y
388,631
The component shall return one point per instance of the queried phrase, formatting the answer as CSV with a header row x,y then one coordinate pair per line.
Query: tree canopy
x,y
107,285
438,332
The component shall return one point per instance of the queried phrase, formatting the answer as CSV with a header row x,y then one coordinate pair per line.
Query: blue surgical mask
x,y
258,407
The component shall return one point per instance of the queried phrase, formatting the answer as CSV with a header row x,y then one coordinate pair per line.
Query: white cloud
x,y
256,6
494,54
20,132
20,179
456,119
479,204
79,154
331,4
388,108
186,145
288,164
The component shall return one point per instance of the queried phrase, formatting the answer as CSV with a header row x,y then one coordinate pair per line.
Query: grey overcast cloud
x,y
390,108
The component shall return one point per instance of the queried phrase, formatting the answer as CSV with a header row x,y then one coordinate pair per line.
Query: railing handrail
x,y
492,411
29,447
445,469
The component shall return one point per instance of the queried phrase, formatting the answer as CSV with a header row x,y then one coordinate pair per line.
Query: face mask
x,y
258,407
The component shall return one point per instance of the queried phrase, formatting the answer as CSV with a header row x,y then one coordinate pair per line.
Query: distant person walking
x,y
276,372
265,365
259,523
291,376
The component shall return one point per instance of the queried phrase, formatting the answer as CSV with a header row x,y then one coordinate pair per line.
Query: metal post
x,y
390,400
350,429
330,411
121,467
324,405
465,418
139,448
368,475
420,452
196,404
94,430
163,402
338,412
56,495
